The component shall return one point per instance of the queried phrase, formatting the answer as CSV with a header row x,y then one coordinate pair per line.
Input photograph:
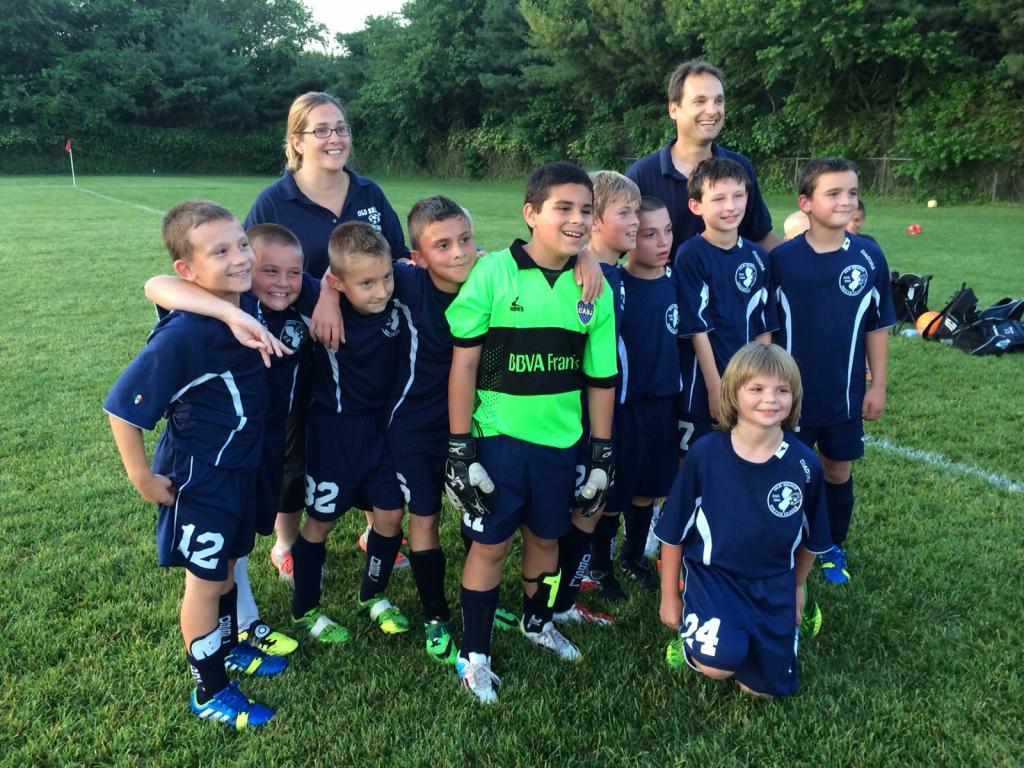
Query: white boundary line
x,y
123,202
938,460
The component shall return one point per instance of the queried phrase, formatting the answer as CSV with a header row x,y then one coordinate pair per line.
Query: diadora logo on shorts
x,y
853,279
585,311
672,319
515,306
746,274
390,328
372,215
293,334
785,499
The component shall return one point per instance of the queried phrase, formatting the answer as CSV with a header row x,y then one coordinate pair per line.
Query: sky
x,y
349,16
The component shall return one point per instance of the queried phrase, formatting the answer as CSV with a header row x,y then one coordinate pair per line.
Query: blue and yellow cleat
x,y
390,620
250,660
833,566
268,640
232,707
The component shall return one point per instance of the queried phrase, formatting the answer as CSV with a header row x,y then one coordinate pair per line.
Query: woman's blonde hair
x,y
757,359
298,115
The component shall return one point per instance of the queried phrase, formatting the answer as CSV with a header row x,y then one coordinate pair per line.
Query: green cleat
x,y
674,654
504,619
390,620
321,627
810,621
440,643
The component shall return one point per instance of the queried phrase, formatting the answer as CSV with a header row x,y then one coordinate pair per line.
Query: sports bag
x,y
961,311
909,295
1005,309
990,336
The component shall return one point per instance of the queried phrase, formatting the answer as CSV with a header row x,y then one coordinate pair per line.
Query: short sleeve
x,y
600,356
694,293
817,535
886,312
769,309
680,507
309,294
262,210
391,228
469,315
757,221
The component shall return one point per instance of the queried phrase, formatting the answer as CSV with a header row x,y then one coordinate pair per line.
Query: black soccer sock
x,y
308,561
638,523
205,658
538,608
477,621
603,542
428,573
227,613
573,560
381,552
839,498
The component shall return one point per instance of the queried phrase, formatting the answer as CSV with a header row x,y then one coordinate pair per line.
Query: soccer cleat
x,y
390,620
833,566
250,660
580,614
553,640
608,586
588,584
267,640
810,619
401,561
476,677
440,644
640,571
504,619
652,544
232,707
674,653
281,559
321,627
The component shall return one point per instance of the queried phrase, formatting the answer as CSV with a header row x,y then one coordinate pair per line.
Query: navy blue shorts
x,y
293,482
269,478
534,484
691,429
646,436
347,460
419,460
213,517
744,626
840,442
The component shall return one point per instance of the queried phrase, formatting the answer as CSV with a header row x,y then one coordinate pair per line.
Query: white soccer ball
x,y
933,203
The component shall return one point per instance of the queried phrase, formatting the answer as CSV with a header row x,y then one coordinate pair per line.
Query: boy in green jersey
x,y
526,344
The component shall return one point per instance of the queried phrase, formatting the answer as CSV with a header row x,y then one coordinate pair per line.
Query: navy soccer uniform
x,y
725,294
739,524
827,303
285,204
347,460
291,326
418,428
645,423
657,176
213,393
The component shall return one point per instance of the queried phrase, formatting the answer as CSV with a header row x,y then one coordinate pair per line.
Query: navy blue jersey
x,y
291,326
726,294
425,360
744,518
648,351
827,302
285,204
657,176
359,377
210,388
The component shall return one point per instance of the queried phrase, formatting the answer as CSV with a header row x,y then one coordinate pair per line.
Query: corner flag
x,y
71,155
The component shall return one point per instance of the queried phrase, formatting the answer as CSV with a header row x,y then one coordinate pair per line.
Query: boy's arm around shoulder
x,y
173,293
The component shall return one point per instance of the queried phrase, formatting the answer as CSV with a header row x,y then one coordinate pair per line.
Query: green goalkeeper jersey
x,y
541,345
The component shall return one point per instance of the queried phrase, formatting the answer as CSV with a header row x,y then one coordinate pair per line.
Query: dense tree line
x,y
476,87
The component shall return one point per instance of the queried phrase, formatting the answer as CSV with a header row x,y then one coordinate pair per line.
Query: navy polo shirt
x,y
657,176
285,204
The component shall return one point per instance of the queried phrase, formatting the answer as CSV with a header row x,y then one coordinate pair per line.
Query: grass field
x,y
920,660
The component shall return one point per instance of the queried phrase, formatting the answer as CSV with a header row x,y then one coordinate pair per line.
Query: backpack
x,y
1005,309
990,336
909,295
960,312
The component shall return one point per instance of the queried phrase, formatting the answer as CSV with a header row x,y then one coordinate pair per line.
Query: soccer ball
x,y
933,203
923,321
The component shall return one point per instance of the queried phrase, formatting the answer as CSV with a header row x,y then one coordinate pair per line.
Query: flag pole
x,y
71,155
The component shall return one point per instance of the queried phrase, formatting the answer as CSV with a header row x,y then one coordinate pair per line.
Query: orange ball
x,y
923,320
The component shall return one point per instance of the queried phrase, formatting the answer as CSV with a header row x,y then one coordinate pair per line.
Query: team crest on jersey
x,y
585,311
390,328
746,276
853,279
785,499
293,334
672,319
372,215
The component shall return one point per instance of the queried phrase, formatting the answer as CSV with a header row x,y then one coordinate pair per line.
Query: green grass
x,y
919,662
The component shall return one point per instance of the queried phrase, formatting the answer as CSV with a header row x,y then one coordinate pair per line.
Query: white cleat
x,y
553,640
476,677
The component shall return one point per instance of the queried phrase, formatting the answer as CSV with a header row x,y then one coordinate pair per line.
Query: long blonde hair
x,y
298,114
757,359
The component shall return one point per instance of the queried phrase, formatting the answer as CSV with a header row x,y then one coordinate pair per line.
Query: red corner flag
x,y
67,146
